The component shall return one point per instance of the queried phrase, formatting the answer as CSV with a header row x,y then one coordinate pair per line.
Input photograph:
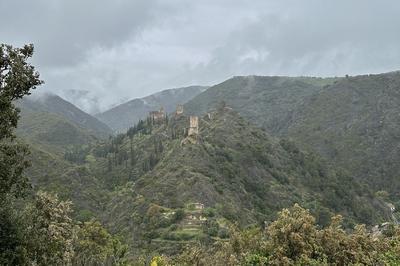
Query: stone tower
x,y
158,116
179,109
193,126
193,132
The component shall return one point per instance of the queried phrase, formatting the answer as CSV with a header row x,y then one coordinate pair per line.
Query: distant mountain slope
x,y
125,115
352,121
55,105
356,123
52,132
265,101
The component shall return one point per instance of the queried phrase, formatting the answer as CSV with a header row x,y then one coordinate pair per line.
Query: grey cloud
x,y
63,31
99,53
321,38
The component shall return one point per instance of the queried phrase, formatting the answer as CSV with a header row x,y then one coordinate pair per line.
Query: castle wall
x,y
158,116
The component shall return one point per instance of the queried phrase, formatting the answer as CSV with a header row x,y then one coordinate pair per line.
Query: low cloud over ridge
x,y
99,53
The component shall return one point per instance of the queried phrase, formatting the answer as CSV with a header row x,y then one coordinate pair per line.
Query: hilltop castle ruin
x,y
191,132
158,116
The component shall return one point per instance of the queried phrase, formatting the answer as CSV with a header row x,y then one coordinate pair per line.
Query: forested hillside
x,y
266,101
350,121
174,181
355,123
57,132
157,175
160,176
199,133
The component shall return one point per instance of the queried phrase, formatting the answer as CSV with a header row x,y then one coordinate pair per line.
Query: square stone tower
x,y
158,116
193,126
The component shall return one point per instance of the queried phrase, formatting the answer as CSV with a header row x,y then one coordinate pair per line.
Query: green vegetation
x,y
268,102
37,230
144,184
351,122
240,173
354,123
52,132
44,105
295,239
159,190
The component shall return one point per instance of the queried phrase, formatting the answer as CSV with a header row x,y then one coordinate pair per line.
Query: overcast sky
x,y
97,53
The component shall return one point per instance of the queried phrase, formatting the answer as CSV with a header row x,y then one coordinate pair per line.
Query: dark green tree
x,y
41,232
17,79
132,154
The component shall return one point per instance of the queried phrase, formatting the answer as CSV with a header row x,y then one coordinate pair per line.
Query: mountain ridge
x,y
54,104
332,119
125,115
264,100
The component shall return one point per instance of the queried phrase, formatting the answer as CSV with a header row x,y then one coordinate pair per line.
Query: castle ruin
x,y
158,116
179,110
193,131
193,126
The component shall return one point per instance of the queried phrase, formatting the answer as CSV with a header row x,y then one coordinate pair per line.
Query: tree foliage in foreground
x,y
17,79
95,246
47,235
295,239
39,231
